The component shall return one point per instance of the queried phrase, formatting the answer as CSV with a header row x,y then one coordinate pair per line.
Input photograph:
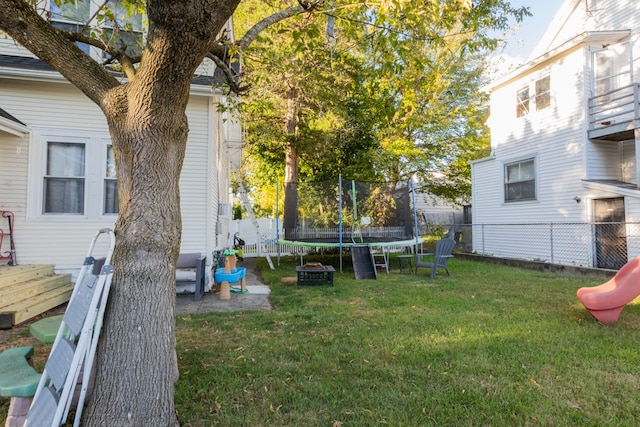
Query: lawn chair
x,y
440,258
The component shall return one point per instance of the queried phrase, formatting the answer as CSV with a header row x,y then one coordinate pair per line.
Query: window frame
x,y
106,178
135,28
546,95
94,174
522,102
50,176
531,102
505,170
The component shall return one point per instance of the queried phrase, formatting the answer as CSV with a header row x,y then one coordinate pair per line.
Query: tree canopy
x,y
387,91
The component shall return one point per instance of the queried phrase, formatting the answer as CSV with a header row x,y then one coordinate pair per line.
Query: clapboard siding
x,y
51,106
14,154
194,177
64,242
553,137
9,47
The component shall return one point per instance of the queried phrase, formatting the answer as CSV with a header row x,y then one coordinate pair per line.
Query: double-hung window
x,y
64,180
543,93
71,16
522,107
520,181
110,204
75,16
73,177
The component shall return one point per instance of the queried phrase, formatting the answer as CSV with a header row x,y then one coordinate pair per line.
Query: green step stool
x,y
45,330
17,377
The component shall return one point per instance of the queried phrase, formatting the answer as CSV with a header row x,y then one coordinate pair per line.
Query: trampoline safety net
x,y
362,212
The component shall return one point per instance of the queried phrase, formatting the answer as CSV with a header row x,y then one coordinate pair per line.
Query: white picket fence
x,y
251,248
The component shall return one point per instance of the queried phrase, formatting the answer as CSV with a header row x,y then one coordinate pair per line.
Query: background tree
x,y
136,362
408,103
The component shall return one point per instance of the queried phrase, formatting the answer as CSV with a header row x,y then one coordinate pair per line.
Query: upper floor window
x,y
543,93
75,16
71,16
522,107
520,181
541,98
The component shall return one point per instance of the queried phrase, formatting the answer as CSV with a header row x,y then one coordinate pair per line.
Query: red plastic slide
x,y
605,302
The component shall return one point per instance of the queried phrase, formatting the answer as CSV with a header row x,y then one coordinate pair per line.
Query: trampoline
x,y
346,213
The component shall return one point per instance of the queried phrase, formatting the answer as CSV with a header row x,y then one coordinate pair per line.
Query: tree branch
x,y
126,61
254,31
231,77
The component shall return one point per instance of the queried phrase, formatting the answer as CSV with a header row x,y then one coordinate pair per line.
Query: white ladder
x,y
249,208
75,345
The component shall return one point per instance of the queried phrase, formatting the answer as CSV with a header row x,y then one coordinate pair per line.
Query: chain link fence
x,y
597,244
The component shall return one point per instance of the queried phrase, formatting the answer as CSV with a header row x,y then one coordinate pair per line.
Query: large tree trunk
x,y
291,170
137,365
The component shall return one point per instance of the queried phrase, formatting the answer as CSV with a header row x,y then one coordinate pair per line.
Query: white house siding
x,y
603,160
59,107
553,137
628,164
9,47
436,211
557,139
575,17
47,106
14,154
194,183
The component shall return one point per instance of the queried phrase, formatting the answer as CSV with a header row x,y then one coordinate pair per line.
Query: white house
x,y
46,124
565,129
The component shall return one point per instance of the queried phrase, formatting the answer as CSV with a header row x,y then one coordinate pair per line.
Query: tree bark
x,y
137,365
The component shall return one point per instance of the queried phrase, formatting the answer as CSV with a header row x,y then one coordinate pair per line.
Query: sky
x,y
525,38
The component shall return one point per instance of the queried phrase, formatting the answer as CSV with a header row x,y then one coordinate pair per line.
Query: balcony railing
x,y
621,105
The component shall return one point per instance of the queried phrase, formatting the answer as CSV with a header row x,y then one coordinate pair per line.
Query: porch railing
x,y
617,106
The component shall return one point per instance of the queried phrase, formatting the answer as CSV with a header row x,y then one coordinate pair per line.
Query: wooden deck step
x,y
10,296
29,290
11,275
30,308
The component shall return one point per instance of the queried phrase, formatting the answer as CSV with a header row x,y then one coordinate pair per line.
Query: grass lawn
x,y
488,346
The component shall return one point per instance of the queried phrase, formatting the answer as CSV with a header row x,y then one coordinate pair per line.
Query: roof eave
x,y
569,45
13,128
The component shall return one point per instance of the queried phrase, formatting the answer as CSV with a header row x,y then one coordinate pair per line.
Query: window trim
x,y
106,179
95,171
48,176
